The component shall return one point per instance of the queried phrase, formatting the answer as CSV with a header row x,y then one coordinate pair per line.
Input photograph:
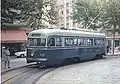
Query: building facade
x,y
109,36
14,37
65,10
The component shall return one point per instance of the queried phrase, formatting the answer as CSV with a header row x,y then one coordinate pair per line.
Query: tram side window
x,y
81,41
68,41
37,41
41,42
75,42
89,41
99,41
51,42
71,41
32,42
58,41
96,42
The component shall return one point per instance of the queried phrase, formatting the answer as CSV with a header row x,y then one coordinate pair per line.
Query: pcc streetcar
x,y
54,46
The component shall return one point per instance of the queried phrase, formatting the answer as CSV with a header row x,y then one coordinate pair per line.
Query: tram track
x,y
14,73
41,75
24,75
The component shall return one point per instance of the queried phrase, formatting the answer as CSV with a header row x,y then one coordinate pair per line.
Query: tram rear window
x,y
37,41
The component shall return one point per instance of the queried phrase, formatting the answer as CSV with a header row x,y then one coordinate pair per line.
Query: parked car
x,y
21,54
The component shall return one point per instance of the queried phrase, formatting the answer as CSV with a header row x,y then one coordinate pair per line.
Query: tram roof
x,y
60,32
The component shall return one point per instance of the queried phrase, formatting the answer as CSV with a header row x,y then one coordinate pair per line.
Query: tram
x,y
54,46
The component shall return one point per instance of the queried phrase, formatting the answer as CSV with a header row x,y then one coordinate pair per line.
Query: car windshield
x,y
36,42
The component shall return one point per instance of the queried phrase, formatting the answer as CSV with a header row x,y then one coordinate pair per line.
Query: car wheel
x,y
22,55
18,57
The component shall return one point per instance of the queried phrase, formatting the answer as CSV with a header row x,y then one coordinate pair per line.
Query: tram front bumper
x,y
36,60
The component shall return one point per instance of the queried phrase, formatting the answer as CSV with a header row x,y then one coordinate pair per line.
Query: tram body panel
x,y
56,54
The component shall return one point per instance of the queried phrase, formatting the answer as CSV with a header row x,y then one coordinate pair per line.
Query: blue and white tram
x,y
53,46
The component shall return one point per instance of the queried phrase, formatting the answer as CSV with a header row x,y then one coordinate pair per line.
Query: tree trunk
x,y
113,41
113,46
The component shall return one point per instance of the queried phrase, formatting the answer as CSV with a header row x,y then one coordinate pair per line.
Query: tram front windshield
x,y
37,41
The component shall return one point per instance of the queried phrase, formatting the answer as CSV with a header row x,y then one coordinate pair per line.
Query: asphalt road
x,y
105,71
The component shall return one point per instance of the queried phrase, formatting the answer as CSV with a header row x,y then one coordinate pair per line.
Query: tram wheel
x,y
77,59
68,61
99,56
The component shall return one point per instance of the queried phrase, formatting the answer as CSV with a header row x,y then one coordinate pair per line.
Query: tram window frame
x,y
59,42
51,42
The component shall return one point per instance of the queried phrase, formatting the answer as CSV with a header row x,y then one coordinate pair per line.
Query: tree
x,y
104,12
29,12
9,11
52,13
85,12
35,12
111,17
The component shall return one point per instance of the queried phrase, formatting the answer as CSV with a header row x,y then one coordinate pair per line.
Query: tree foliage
x,y
84,11
111,16
51,12
97,13
10,11
29,12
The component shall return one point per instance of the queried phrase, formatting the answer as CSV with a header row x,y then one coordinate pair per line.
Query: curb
x,y
7,70
114,55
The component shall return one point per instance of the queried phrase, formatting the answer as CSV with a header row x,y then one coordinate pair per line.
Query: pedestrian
x,y
6,57
107,49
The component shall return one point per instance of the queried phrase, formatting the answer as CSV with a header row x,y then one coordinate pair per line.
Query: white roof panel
x,y
60,32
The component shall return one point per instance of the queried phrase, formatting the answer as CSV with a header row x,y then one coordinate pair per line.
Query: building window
x,y
62,24
62,12
61,6
68,17
67,24
67,4
67,11
74,23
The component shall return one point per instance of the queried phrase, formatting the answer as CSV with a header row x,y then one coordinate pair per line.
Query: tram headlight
x,y
32,54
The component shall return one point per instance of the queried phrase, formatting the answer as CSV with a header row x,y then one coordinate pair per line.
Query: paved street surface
x,y
105,71
15,63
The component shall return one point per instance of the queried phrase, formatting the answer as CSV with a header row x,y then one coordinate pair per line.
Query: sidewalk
x,y
15,63
113,54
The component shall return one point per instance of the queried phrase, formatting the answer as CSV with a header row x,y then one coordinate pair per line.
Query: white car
x,y
21,54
